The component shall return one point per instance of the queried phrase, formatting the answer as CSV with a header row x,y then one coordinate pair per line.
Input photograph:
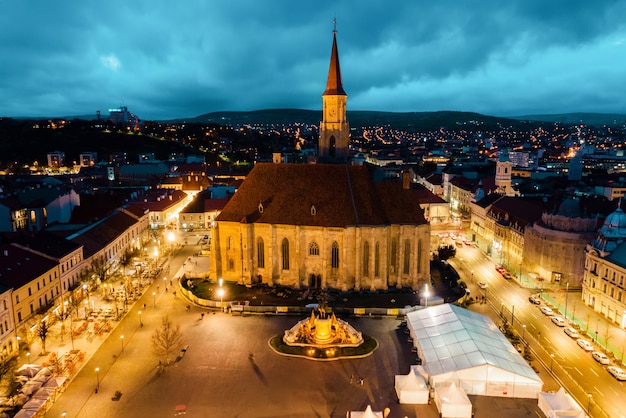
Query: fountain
x,y
322,332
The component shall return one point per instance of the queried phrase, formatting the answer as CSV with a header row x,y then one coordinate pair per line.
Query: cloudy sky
x,y
165,59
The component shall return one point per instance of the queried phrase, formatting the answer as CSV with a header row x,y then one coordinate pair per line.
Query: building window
x,y
231,264
229,243
419,256
366,258
260,253
377,260
407,254
334,255
393,262
285,253
314,249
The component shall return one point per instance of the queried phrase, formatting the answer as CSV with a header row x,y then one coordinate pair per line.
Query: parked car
x,y
482,285
600,357
616,372
571,332
546,311
536,299
584,344
500,269
507,275
558,321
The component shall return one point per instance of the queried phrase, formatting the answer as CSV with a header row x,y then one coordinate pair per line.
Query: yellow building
x,y
323,225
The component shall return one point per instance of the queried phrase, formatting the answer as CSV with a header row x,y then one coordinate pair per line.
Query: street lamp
x,y
164,283
472,276
28,357
63,414
589,402
551,361
122,339
523,332
220,293
512,314
154,299
426,294
97,379
140,323
566,292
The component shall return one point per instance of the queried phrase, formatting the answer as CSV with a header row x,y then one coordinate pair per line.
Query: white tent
x,y
452,401
411,388
368,413
559,404
465,347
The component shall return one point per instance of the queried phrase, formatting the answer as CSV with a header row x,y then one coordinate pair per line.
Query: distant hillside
x,y
407,121
596,119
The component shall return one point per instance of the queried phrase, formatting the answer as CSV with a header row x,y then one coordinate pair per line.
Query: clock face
x,y
331,113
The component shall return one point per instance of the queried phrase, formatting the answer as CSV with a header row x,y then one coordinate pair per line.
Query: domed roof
x,y
570,208
616,220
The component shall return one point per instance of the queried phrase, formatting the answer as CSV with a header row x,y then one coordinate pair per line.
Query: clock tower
x,y
334,129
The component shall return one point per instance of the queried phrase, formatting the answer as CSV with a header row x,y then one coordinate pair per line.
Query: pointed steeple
x,y
333,85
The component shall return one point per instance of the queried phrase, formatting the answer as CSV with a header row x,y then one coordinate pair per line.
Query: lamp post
x,y
523,332
566,292
97,379
472,276
589,396
140,323
164,283
154,299
426,294
551,361
122,339
512,314
63,414
220,293
28,357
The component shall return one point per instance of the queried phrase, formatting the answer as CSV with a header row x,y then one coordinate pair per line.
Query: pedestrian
x,y
360,380
144,306
352,378
171,284
188,307
174,293
166,290
202,315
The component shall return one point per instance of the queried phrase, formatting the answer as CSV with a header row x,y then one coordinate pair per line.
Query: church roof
x,y
324,195
334,86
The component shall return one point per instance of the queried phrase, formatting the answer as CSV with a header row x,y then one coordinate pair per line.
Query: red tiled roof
x,y
319,195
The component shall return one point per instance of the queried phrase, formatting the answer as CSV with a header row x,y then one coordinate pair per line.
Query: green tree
x,y
166,340
445,252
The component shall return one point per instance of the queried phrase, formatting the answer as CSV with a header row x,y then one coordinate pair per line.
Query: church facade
x,y
325,225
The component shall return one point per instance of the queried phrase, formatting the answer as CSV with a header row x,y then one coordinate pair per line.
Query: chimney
x,y
406,180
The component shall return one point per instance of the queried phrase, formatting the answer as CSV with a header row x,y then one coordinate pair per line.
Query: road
x,y
575,368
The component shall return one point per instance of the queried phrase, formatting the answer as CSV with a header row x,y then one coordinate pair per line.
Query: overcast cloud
x,y
166,59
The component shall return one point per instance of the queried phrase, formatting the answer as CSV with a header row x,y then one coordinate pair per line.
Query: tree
x,y
166,340
445,252
100,268
125,260
7,368
42,331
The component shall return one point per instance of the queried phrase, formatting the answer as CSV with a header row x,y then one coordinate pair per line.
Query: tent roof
x,y
412,381
453,395
451,339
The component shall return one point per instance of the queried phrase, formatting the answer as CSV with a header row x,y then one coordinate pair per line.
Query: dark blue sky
x,y
166,59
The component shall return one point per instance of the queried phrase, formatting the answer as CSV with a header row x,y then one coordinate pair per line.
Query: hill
x,y
595,119
407,121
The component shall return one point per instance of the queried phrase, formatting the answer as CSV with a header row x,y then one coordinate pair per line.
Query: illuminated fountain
x,y
322,331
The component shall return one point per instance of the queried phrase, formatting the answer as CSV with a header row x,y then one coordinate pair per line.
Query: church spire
x,y
333,85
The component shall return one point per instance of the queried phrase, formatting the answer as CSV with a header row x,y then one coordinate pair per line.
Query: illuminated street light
x,y
551,361
220,293
97,379
140,323
523,332
122,339
426,294
589,402
28,357
154,299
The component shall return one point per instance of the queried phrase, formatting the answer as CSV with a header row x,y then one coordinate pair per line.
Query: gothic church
x,y
324,225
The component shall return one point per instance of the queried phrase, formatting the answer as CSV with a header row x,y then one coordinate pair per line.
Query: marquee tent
x,y
559,404
452,401
465,347
368,413
412,388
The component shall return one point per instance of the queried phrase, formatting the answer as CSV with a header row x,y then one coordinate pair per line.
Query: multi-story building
x,y
604,286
